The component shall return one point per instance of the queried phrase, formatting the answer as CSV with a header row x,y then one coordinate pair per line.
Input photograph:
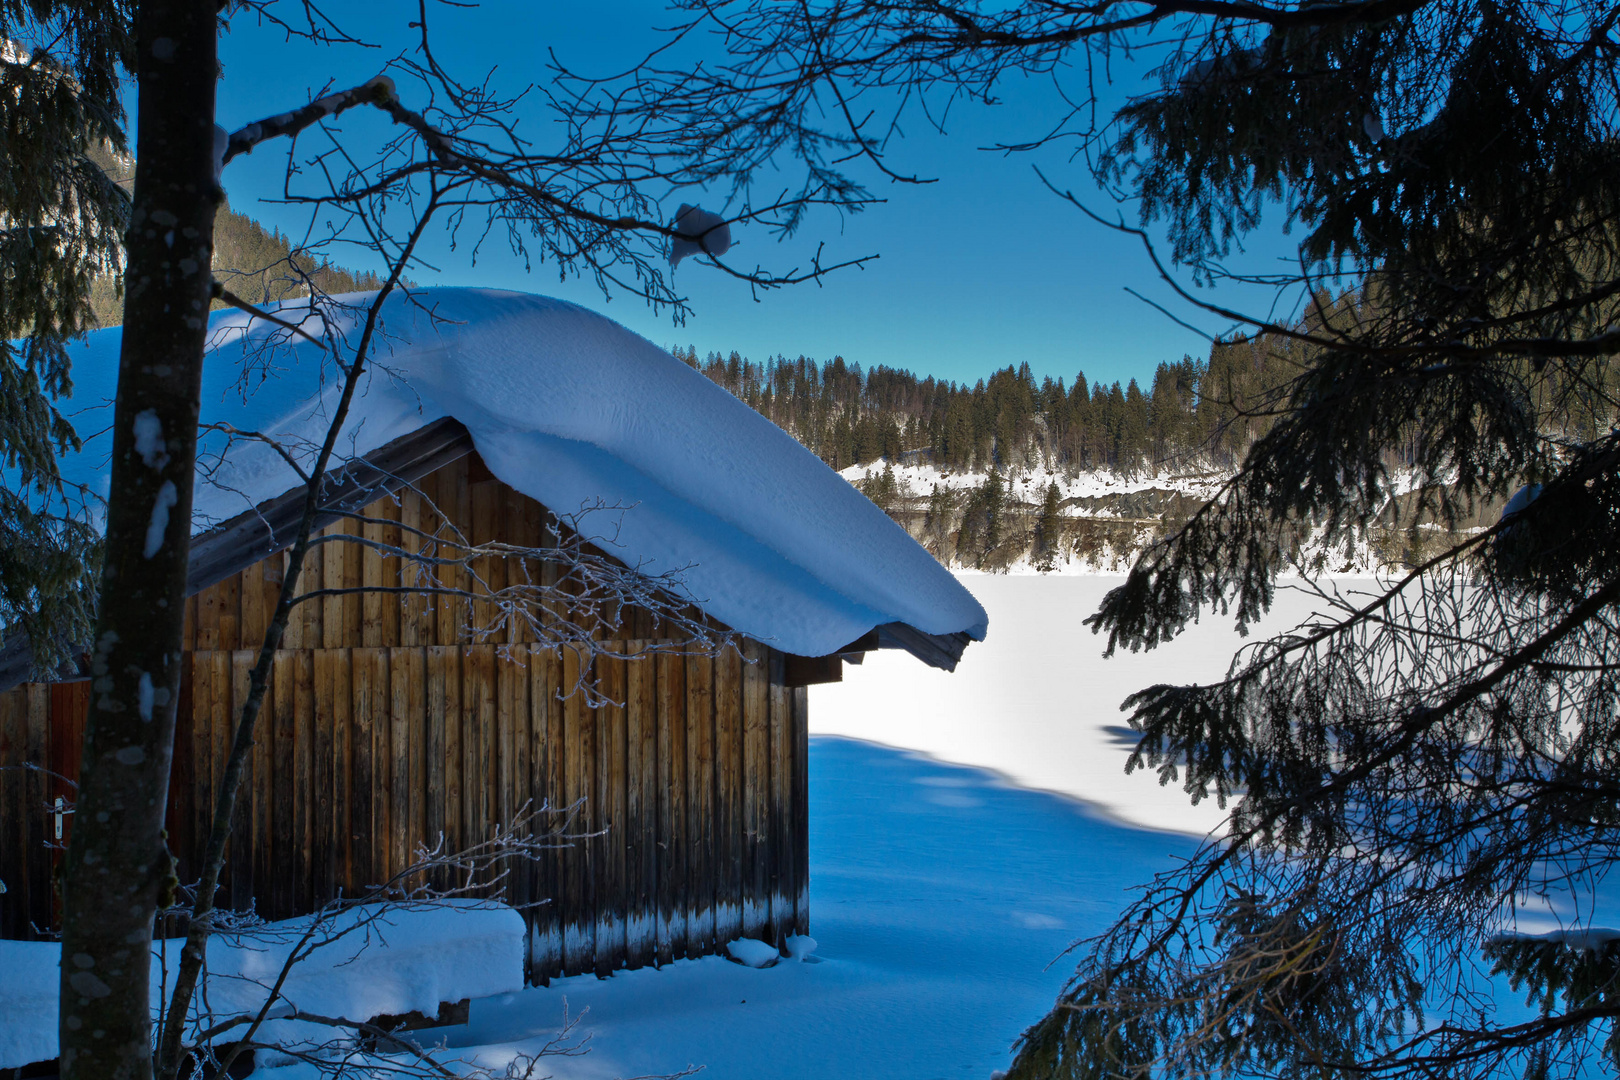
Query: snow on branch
x,y
378,91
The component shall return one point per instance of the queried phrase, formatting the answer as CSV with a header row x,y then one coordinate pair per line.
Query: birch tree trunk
x,y
117,864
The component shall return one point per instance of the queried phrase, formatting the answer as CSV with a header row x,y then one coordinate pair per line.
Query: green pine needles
x,y
61,227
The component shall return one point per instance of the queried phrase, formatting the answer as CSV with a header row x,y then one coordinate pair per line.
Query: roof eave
x,y
943,651
232,546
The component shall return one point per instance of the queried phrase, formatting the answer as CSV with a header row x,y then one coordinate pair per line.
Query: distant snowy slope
x,y
575,411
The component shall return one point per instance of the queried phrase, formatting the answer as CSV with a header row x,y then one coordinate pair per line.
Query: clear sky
x,y
982,269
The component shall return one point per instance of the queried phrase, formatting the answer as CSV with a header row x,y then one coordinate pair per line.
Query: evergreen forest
x,y
1196,414
254,263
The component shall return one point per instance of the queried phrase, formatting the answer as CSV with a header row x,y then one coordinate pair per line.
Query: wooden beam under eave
x,y
811,670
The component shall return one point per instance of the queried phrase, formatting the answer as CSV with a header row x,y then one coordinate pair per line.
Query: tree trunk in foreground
x,y
117,864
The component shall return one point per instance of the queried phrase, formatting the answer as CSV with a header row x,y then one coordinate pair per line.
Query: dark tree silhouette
x,y
1404,770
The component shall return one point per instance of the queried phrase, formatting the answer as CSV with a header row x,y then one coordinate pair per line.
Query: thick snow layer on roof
x,y
575,411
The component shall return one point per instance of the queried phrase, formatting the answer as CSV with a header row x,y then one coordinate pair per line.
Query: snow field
x,y
1038,702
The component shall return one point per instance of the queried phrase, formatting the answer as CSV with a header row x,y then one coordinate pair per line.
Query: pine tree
x,y
983,520
939,520
61,220
1135,430
1048,529
882,488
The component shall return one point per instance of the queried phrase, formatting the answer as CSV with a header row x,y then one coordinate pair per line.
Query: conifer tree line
x,y
1196,414
255,263
848,415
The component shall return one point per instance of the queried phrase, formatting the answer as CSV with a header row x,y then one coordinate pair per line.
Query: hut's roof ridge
x,y
575,411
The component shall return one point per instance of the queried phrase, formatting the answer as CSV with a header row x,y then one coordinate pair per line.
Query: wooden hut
x,y
389,723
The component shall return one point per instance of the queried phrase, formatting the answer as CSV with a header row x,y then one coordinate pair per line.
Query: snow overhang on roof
x,y
577,412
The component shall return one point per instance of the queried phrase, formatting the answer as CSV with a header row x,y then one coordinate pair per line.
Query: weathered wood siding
x,y
390,722
443,506
689,788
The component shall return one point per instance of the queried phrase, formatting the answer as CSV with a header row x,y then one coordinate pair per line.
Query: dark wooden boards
x,y
678,783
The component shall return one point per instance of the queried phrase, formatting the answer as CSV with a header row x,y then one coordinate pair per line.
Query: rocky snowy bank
x,y
1031,518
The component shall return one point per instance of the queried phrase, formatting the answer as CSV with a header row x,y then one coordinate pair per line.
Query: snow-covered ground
x,y
1037,701
1029,484
945,884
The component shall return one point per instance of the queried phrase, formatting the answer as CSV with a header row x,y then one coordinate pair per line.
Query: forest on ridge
x,y
1195,415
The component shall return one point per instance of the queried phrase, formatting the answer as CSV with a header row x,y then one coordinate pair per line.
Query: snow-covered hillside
x,y
1099,521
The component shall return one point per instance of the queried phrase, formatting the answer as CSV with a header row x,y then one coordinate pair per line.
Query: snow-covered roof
x,y
575,411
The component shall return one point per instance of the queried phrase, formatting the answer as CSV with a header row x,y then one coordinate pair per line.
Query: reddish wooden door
x,y
70,705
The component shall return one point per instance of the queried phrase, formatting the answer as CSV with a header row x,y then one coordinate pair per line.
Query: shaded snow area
x,y
28,998
653,462
365,962
939,895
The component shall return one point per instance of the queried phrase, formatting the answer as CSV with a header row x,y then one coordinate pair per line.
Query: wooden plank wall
x,y
389,721
446,504
683,785
687,788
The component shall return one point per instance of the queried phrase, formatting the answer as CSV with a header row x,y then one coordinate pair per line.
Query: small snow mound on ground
x,y
800,946
376,961
28,996
752,952
379,961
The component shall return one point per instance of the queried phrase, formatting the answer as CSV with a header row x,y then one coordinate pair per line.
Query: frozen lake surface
x,y
1037,701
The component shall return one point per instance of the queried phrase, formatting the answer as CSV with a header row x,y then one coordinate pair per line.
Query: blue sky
x,y
981,269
